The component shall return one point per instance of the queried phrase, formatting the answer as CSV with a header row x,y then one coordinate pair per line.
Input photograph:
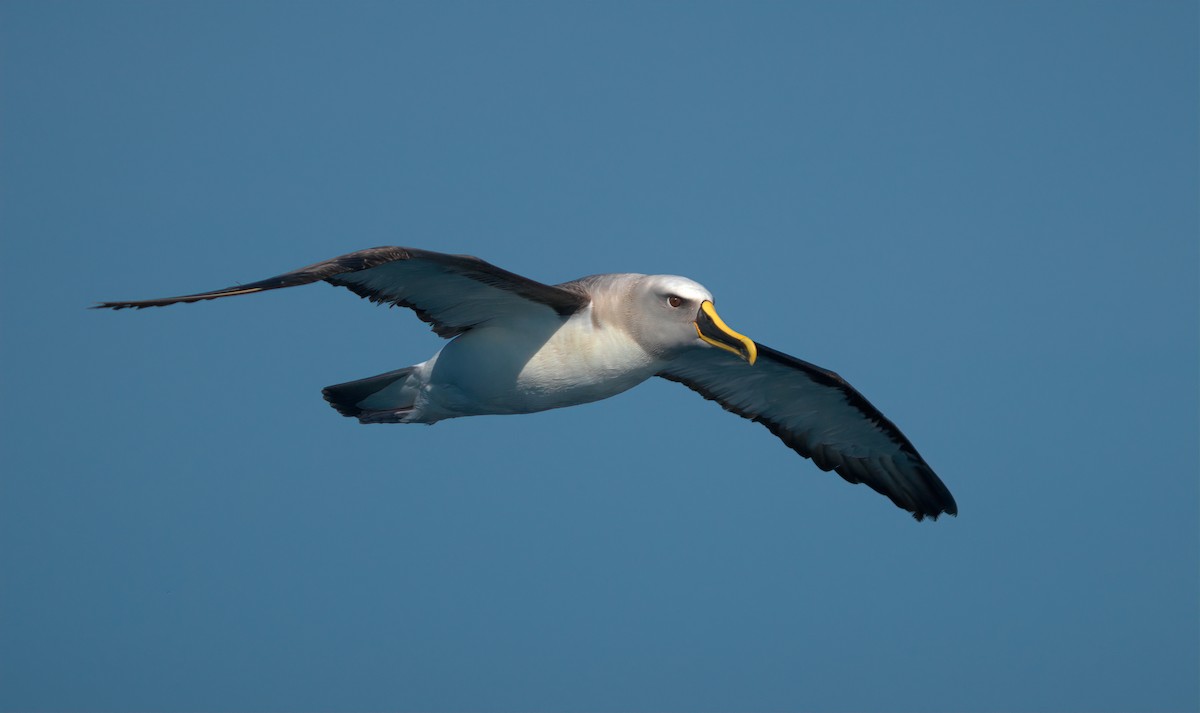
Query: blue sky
x,y
983,214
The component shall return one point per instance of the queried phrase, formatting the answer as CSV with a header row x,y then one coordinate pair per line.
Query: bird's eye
x,y
674,300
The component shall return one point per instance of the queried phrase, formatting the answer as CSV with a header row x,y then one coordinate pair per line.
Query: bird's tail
x,y
386,398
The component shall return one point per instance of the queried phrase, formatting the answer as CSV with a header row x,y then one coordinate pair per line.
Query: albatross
x,y
520,346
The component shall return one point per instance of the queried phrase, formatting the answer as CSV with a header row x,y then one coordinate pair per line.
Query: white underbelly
x,y
502,370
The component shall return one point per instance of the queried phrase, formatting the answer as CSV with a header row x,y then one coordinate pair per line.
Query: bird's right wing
x,y
451,292
820,416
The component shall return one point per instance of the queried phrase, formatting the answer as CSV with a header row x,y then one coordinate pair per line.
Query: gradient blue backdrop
x,y
983,214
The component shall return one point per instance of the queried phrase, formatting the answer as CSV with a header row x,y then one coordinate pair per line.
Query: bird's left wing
x,y
451,292
820,416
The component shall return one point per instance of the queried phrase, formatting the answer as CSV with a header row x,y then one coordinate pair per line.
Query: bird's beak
x,y
713,330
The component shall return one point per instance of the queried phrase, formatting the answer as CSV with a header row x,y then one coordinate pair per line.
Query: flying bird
x,y
520,346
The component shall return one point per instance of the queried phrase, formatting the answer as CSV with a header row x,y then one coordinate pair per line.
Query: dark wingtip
x,y
115,306
143,304
946,507
933,516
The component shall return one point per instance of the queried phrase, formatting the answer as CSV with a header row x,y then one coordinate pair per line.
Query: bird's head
x,y
677,313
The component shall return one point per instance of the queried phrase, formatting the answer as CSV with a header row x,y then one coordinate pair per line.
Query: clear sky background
x,y
983,214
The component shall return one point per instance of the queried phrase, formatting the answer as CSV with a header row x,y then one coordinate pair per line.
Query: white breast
x,y
534,366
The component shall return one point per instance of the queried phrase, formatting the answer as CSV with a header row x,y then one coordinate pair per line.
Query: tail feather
x,y
386,416
364,399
